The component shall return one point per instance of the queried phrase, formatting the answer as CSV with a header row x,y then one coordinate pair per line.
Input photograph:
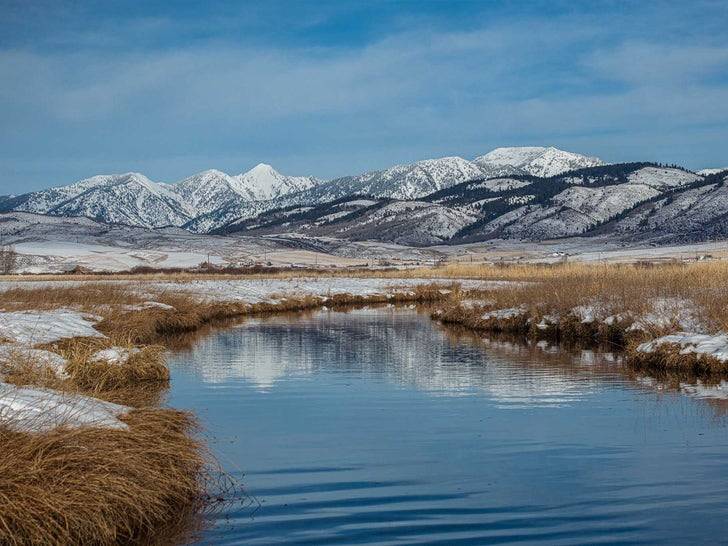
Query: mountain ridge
x,y
529,193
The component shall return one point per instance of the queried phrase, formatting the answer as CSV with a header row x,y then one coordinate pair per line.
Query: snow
x,y
354,203
114,355
715,346
708,172
209,190
264,290
20,354
39,327
502,314
25,409
537,160
661,178
667,312
500,184
547,321
589,313
263,182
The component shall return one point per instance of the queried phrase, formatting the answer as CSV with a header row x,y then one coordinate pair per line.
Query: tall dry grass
x,y
102,486
615,288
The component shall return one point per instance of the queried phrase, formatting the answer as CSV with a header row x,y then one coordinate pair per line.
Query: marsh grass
x,y
551,299
668,357
102,486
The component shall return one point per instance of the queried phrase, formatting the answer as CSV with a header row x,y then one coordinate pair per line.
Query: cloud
x,y
646,64
333,110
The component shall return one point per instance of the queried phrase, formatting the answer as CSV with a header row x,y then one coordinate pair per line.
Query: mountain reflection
x,y
396,346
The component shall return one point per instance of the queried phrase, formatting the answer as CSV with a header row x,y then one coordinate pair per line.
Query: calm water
x,y
381,427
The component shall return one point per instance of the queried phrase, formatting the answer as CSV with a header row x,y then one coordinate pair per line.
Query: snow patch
x,y
114,355
509,313
38,327
715,346
15,354
25,409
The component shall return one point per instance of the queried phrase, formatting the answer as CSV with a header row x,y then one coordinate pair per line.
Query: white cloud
x,y
406,96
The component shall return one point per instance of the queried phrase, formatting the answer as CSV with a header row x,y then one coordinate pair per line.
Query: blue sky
x,y
339,87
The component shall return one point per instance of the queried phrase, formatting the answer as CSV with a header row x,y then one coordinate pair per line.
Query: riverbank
x,y
667,317
82,374
88,356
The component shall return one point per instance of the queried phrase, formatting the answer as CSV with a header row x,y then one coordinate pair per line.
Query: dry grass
x,y
102,486
139,381
667,357
616,289
558,287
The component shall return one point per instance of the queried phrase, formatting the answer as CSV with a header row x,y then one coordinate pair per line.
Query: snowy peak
x,y
534,160
208,191
263,182
128,198
424,177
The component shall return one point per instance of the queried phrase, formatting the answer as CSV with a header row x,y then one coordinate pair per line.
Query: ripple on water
x,y
381,427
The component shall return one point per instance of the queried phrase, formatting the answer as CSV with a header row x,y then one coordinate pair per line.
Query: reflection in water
x,y
383,346
381,427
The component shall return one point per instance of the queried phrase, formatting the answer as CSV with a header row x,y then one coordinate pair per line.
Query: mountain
x,y
263,182
133,199
129,198
414,223
533,160
698,212
515,207
415,180
208,191
401,181
531,193
573,203
708,172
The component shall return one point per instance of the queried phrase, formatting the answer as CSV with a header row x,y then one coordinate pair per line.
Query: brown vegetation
x,y
102,486
669,358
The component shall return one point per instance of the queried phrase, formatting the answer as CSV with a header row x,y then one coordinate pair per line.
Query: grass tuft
x,y
102,486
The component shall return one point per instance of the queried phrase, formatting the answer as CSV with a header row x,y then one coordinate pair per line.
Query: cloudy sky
x,y
337,87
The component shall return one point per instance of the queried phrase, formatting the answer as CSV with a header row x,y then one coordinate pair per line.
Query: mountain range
x,y
529,193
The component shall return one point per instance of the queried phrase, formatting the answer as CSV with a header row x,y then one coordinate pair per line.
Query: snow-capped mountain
x,y
708,172
408,181
208,191
532,193
416,180
517,207
533,160
263,182
129,198
133,199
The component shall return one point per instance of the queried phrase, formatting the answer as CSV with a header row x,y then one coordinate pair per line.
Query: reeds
x,y
670,357
103,486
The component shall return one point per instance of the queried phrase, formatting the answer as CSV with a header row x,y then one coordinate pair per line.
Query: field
x,y
99,341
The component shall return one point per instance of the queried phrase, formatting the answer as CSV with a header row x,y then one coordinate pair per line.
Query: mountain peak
x,y
263,182
262,168
541,161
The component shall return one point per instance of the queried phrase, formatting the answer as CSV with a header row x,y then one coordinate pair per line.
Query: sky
x,y
330,88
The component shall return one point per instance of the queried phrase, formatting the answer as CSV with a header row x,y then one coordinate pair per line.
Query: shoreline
x,y
135,321
144,465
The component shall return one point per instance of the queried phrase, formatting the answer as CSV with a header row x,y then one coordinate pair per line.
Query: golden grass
x,y
667,357
102,486
559,286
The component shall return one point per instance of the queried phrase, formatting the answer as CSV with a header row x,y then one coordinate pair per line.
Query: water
x,y
382,427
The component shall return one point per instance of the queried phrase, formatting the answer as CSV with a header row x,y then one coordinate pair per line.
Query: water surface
x,y
382,427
